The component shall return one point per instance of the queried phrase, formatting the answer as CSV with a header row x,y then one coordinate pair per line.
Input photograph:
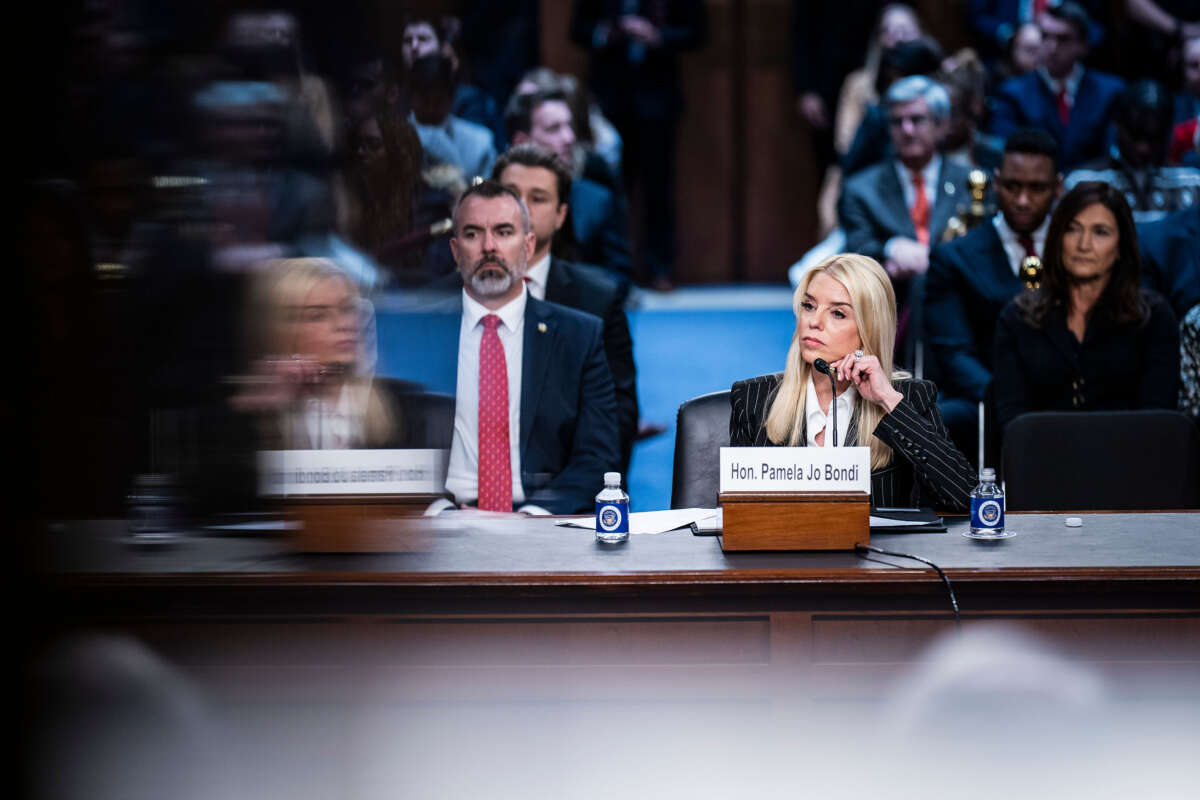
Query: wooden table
x,y
547,612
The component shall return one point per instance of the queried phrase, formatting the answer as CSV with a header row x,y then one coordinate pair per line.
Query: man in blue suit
x,y
1072,102
995,22
971,278
598,220
535,423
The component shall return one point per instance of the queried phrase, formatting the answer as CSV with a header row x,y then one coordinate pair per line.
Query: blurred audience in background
x,y
856,93
598,229
1171,258
895,210
828,40
397,216
871,142
424,36
1137,166
446,138
266,46
997,23
1022,54
598,145
174,154
965,78
1156,34
1064,96
634,73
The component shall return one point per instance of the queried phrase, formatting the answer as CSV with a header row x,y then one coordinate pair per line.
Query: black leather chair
x,y
427,418
1110,460
701,430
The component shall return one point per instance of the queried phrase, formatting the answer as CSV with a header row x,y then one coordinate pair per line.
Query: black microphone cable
x,y
821,365
864,548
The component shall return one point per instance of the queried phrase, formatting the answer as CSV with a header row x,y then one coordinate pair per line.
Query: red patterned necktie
x,y
920,209
1064,108
495,458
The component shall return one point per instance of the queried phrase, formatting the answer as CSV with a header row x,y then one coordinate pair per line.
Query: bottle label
x,y
612,516
987,512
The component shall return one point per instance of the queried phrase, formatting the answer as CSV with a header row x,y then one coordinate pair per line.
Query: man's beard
x,y
492,277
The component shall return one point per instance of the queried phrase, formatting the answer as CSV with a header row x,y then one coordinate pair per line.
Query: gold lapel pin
x,y
541,327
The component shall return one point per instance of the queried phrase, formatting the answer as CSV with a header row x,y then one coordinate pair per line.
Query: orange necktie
x,y
920,209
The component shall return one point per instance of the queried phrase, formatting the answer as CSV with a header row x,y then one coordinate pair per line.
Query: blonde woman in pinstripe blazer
x,y
846,314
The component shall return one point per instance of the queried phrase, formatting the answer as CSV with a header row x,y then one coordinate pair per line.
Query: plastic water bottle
x,y
612,511
987,506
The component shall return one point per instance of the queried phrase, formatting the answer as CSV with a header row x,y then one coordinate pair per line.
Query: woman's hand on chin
x,y
867,375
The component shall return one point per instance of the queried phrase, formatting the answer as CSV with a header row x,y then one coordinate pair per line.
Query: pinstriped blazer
x,y
926,468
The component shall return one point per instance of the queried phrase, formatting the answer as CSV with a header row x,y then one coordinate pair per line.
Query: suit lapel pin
x,y
541,327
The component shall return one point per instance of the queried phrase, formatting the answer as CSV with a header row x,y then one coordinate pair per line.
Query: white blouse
x,y
816,419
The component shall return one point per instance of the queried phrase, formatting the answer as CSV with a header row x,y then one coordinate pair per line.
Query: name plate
x,y
349,472
796,469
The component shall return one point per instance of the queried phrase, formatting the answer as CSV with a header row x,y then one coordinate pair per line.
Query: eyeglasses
x,y
913,119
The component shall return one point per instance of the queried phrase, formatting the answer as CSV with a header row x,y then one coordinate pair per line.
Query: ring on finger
x,y
858,354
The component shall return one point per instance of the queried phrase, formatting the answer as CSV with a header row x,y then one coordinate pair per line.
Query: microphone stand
x,y
822,365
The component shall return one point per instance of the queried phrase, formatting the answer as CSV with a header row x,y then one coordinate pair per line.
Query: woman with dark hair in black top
x,y
1090,338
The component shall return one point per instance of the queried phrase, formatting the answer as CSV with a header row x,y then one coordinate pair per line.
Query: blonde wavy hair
x,y
874,306
281,287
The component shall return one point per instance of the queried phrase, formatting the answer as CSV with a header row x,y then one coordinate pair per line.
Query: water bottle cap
x,y
613,478
987,474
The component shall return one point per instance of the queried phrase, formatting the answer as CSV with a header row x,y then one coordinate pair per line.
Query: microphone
x,y
821,365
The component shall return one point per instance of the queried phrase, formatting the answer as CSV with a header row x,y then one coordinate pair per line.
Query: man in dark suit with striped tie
x,y
971,278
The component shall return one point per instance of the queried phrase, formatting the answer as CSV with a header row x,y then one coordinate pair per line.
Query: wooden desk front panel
x,y
767,656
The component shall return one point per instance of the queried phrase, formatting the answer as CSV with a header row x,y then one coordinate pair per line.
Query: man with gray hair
x,y
894,210
535,422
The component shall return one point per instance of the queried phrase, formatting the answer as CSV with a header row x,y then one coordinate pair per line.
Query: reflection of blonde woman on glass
x,y
846,315
305,322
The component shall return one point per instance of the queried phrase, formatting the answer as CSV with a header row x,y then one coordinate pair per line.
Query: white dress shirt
x,y
536,275
1012,245
815,419
462,473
